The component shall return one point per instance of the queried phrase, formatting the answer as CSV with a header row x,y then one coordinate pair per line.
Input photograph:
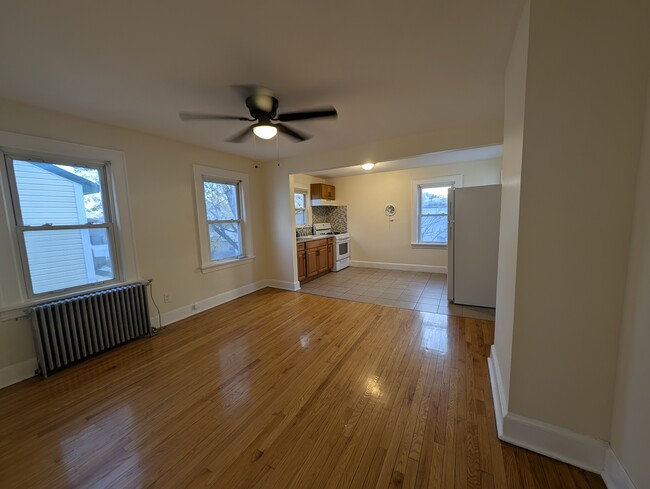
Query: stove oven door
x,y
342,249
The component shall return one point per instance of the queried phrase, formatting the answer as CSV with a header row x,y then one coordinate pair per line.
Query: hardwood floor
x,y
276,390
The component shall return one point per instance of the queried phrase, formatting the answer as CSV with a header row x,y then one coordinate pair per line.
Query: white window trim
x,y
451,180
207,264
301,190
14,298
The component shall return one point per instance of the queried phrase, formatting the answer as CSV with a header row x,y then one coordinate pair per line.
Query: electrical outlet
x,y
167,298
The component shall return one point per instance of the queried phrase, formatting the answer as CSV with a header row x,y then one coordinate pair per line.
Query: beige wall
x,y
513,139
581,150
374,238
163,214
631,425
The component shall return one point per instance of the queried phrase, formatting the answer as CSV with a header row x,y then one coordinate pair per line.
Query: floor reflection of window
x,y
435,339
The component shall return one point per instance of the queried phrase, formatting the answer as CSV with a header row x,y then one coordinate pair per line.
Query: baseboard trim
x,y
17,372
407,267
562,444
614,475
498,394
184,312
284,285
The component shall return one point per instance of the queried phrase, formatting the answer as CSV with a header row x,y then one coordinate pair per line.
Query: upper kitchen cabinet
x,y
322,191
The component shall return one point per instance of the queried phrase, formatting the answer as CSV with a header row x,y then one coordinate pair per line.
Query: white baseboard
x,y
284,285
614,474
175,315
17,372
498,394
408,267
553,441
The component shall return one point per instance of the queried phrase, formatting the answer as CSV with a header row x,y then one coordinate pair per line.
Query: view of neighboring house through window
x,y
223,213
433,214
63,224
300,204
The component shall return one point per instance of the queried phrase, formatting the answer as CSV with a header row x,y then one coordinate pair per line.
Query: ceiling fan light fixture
x,y
265,131
368,166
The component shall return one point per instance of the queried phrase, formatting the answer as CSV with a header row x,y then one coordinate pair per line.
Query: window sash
x,y
239,221
21,228
421,214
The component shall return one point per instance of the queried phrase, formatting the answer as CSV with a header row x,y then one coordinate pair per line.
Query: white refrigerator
x,y
474,214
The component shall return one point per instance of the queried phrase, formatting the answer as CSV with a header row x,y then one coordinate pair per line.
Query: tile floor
x,y
409,290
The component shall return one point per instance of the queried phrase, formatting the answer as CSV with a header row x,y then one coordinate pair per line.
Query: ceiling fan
x,y
263,107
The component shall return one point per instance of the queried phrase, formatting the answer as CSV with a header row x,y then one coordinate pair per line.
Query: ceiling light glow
x,y
265,131
368,166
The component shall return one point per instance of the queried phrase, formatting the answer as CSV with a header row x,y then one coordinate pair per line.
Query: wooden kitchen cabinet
x,y
302,263
317,256
330,253
322,191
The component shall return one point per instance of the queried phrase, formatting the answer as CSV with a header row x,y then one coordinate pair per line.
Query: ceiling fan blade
x,y
308,114
191,116
240,136
293,133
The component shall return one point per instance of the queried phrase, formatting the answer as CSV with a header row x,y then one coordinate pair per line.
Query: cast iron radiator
x,y
74,329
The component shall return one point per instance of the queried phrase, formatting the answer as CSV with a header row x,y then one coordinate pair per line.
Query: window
x,y
432,210
223,216
81,191
223,230
300,204
63,223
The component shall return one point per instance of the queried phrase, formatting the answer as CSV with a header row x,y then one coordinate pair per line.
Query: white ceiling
x,y
390,68
429,159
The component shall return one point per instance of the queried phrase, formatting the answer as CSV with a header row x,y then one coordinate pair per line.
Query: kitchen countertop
x,y
312,237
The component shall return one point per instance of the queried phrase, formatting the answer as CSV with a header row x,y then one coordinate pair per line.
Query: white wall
x,y
161,191
584,110
513,139
374,238
630,422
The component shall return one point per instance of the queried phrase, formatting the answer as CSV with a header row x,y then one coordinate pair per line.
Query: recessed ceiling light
x,y
265,131
368,166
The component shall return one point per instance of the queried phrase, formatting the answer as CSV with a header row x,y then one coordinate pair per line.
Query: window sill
x,y
220,265
442,246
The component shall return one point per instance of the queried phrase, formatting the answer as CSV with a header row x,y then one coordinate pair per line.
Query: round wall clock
x,y
390,210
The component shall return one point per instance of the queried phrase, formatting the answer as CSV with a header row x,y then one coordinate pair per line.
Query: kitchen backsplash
x,y
336,216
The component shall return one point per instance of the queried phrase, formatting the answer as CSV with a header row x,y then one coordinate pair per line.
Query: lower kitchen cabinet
x,y
330,252
302,265
315,258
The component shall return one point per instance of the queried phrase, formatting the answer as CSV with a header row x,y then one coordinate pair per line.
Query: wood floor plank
x,y
276,390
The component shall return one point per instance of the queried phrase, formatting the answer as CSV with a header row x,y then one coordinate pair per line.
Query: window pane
x,y
60,259
433,200
433,229
221,201
299,200
300,218
58,194
225,240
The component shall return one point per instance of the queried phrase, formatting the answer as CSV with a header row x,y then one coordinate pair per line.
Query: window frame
x,y
211,174
14,299
20,228
305,192
416,197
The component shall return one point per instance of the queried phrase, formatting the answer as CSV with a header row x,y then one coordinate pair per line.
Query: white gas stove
x,y
341,245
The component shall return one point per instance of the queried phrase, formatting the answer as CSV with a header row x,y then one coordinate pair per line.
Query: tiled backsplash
x,y
337,216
